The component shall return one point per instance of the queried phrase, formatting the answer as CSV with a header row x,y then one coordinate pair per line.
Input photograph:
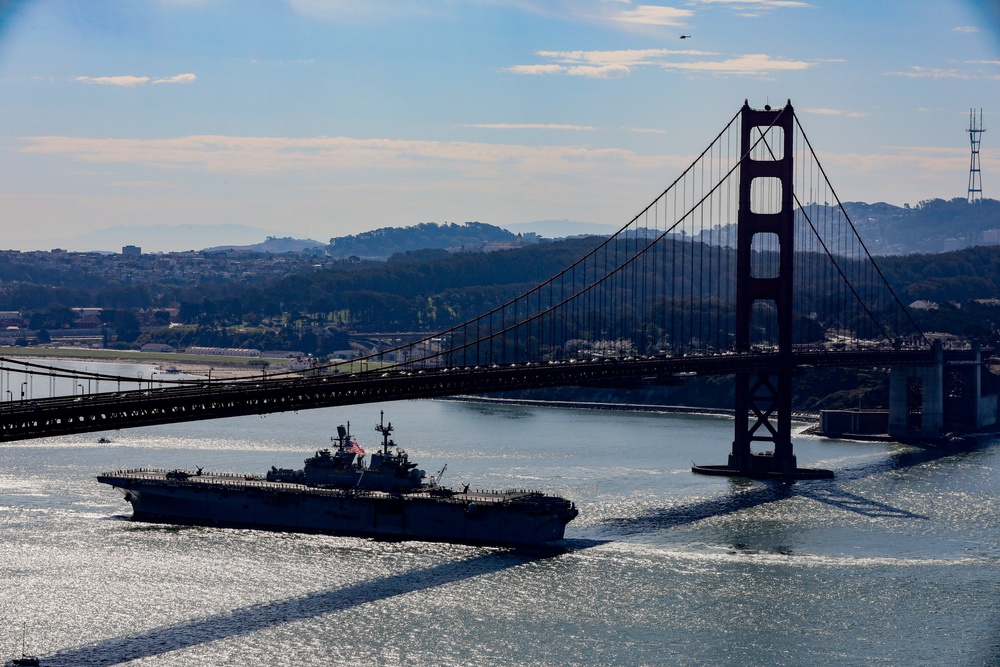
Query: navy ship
x,y
339,492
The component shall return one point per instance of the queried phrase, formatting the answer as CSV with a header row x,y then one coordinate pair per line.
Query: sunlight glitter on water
x,y
895,561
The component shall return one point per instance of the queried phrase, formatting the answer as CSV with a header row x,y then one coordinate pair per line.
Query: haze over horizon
x,y
184,237
322,118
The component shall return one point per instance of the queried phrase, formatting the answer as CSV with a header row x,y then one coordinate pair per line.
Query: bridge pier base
x,y
763,466
764,399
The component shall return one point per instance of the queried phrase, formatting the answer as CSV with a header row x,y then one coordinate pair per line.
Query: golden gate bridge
x,y
746,264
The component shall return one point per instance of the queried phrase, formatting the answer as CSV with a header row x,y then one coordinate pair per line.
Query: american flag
x,y
355,448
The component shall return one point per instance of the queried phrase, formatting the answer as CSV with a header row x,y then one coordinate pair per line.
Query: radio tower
x,y
975,176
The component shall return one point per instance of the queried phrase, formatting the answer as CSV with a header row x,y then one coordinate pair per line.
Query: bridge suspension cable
x,y
881,299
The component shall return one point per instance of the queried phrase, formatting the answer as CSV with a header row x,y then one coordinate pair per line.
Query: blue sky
x,y
321,118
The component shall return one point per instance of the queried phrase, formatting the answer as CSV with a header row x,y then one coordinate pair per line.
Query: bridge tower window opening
x,y
766,195
768,143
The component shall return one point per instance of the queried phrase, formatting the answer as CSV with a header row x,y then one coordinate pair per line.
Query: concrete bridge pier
x,y
930,400
916,399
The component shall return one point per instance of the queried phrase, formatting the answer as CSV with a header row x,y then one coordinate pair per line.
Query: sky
x,y
321,118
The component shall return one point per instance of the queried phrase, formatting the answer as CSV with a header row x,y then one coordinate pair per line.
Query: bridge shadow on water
x,y
747,494
239,622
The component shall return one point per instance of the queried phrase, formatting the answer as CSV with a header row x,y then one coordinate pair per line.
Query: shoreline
x,y
621,407
220,368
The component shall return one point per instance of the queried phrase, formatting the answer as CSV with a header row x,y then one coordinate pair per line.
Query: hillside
x,y
932,226
273,244
388,241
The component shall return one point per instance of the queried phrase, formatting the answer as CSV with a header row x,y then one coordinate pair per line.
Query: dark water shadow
x,y
740,498
251,619
990,655
746,494
852,502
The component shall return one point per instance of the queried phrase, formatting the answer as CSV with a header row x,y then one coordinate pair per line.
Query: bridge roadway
x,y
44,417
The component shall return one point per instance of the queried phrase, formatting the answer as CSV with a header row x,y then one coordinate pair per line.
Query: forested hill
x,y
434,289
422,289
388,241
934,225
957,276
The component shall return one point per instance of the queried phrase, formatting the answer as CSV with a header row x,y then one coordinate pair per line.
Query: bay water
x,y
895,561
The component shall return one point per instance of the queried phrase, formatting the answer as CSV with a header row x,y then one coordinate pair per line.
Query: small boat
x,y
25,660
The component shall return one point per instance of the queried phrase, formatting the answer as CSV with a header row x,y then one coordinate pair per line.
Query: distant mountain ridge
x,y
931,226
162,238
558,229
274,244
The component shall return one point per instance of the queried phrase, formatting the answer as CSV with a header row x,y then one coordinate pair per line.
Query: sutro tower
x,y
975,176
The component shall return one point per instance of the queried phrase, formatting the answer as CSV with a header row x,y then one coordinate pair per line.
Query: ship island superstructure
x,y
341,493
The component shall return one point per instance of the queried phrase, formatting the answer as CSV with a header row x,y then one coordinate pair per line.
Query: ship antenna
x,y
385,430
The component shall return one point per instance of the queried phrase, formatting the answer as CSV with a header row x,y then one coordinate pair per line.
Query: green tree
x,y
126,326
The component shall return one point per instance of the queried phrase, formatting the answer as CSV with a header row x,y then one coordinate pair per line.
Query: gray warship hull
x,y
444,515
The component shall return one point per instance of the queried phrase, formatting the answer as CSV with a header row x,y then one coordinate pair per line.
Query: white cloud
x,y
531,126
909,161
268,155
834,112
626,57
917,72
125,81
621,11
966,28
654,15
591,71
756,4
535,70
132,81
599,71
753,64
178,78
608,64
363,11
